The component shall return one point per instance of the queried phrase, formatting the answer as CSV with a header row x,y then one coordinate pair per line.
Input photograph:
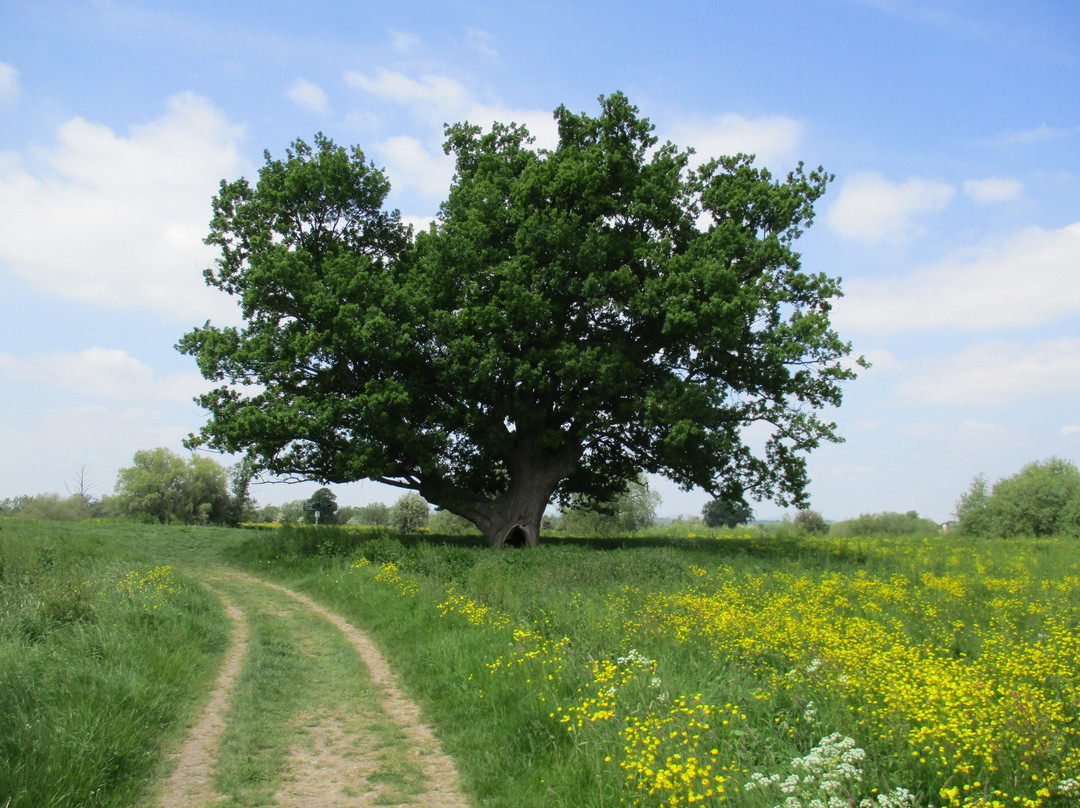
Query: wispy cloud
x,y
434,93
483,43
873,209
997,372
993,189
9,84
308,95
1022,280
107,374
1032,137
404,41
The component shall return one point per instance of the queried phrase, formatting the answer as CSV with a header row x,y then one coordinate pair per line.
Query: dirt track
x,y
339,755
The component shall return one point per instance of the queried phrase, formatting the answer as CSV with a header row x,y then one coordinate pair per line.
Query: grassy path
x,y
305,713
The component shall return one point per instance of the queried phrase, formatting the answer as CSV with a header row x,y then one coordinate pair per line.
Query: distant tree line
x,y
160,486
1042,499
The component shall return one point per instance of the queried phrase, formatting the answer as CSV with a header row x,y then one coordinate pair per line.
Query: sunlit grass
x,y
736,668
949,673
102,660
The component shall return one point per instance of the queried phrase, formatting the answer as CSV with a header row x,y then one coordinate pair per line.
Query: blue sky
x,y
953,129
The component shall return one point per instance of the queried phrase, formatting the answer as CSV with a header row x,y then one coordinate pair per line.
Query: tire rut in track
x,y
191,780
338,759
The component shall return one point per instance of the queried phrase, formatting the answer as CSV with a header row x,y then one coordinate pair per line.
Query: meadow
x,y
737,669
106,651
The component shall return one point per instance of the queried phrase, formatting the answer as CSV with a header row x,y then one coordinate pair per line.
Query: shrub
x,y
410,513
810,522
888,523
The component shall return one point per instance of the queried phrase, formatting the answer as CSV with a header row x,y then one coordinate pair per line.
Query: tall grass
x,y
741,669
102,658
748,670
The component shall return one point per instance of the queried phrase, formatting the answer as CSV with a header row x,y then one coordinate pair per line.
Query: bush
x,y
410,513
376,514
444,523
810,522
629,512
888,523
727,513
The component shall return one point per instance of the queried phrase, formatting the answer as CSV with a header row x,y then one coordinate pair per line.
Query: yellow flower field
x,y
922,674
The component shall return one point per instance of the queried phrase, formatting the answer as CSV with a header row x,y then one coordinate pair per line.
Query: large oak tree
x,y
575,317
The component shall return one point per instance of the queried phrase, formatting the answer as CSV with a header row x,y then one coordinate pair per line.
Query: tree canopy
x,y
576,317
162,485
1042,499
726,513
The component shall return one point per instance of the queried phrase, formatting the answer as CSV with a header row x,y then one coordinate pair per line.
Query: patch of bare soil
x,y
190,783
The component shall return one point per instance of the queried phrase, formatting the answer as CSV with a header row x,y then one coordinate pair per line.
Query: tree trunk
x,y
512,519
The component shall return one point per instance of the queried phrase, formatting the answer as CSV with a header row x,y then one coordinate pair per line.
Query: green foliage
x,y
1042,499
886,524
267,514
409,513
631,511
727,512
321,508
292,513
444,523
576,317
375,514
808,521
162,485
49,506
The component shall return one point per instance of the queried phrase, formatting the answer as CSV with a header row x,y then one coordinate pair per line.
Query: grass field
x,y
105,653
740,670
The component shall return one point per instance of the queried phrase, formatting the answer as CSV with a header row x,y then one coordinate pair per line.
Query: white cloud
x,y
440,99
435,100
119,221
1072,429
404,41
52,443
434,93
993,189
483,43
998,372
308,95
1032,137
1025,279
872,209
102,373
418,223
9,84
773,138
410,164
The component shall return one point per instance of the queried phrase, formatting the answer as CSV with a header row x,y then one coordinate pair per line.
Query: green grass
x,y
960,619
94,680
954,664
